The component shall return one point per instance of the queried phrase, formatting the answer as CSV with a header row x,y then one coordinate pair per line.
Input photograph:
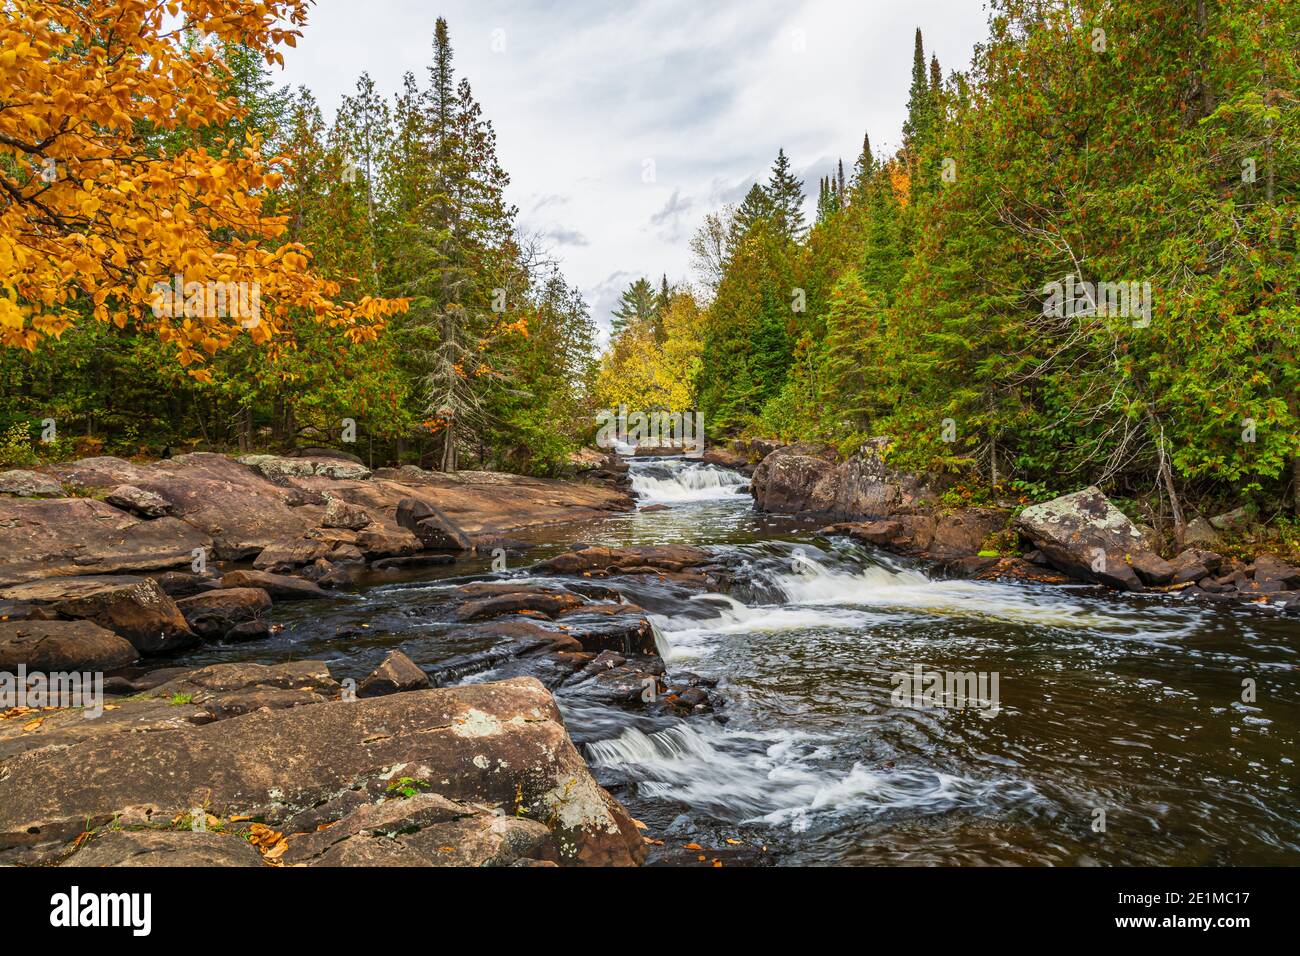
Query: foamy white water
x,y
679,481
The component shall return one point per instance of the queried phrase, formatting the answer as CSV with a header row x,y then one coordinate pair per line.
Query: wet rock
x,y
29,484
499,745
280,587
413,561
142,848
1269,569
397,673
624,628
731,458
435,530
146,504
340,514
548,603
1151,568
213,615
1085,536
139,611
963,533
673,557
292,553
1194,564
49,646
385,543
969,567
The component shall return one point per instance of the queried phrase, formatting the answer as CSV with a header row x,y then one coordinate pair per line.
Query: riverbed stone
x,y
49,646
435,530
340,514
29,484
139,611
280,587
397,673
214,614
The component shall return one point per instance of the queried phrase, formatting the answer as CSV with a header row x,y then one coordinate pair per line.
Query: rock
x,y
963,533
214,614
671,557
146,504
343,470
29,484
45,538
139,611
435,530
622,628
273,466
22,611
215,681
383,543
397,673
497,745
183,584
326,453
1199,532
1235,520
1085,536
292,553
1269,569
49,646
725,457
137,848
280,587
789,483
865,486
541,602
425,829
1193,565
1152,569
413,561
340,514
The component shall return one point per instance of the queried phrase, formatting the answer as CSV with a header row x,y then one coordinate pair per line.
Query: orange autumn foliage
x,y
89,211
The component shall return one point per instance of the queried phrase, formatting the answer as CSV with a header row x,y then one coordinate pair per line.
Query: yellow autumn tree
x,y
639,372
89,211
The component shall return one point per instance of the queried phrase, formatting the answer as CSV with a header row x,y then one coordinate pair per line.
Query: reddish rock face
x,y
501,746
140,611
62,646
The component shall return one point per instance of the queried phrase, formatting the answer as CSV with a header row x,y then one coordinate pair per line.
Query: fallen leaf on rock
x,y
693,846
717,863
701,858
638,824
33,725
732,842
263,837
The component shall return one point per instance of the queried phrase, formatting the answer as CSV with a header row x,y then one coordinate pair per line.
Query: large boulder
x,y
213,615
139,611
788,482
29,484
498,745
81,536
50,646
1085,536
865,486
435,530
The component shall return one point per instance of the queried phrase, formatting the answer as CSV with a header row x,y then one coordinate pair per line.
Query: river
x,y
1120,735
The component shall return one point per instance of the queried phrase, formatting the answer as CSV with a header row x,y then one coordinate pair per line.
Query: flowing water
x,y
1116,731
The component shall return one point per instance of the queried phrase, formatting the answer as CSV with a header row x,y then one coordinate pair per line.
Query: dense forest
x,y
1138,157
1133,142
474,349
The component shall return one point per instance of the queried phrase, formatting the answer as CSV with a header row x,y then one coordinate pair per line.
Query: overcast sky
x,y
591,99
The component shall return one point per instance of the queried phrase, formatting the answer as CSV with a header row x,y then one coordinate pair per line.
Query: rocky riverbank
x,y
1080,537
108,567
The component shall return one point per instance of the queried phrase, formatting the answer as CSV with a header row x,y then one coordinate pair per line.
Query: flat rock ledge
x,y
482,774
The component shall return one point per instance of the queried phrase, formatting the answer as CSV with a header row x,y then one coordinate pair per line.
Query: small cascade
x,y
661,481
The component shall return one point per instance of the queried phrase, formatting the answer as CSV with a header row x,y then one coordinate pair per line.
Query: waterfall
x,y
677,481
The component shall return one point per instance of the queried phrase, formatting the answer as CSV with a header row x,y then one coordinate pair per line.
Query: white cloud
x,y
583,93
